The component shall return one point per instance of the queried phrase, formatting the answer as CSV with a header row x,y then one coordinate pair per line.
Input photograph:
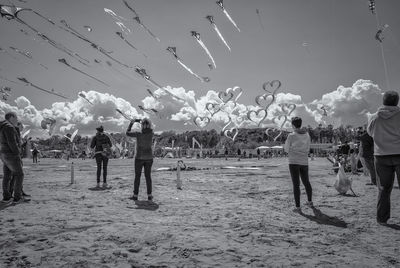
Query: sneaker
x,y
21,200
149,197
297,210
98,185
310,204
105,185
134,197
25,194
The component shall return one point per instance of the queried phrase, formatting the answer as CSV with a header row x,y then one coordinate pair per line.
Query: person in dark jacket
x,y
19,129
144,155
101,142
367,148
10,154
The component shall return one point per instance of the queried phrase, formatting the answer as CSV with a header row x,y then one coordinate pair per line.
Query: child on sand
x,y
297,146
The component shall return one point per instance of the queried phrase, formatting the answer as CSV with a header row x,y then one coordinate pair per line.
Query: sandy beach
x,y
240,216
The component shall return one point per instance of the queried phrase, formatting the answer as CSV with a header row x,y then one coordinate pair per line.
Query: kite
x,y
264,97
173,52
150,111
11,12
123,114
197,36
379,34
152,94
221,5
71,139
82,95
201,121
372,6
143,73
211,20
287,108
273,86
26,54
88,28
231,133
128,43
281,125
324,109
213,108
75,33
258,118
5,93
259,19
22,79
48,123
137,19
118,20
64,61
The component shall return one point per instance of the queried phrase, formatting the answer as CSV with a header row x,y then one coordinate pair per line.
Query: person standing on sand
x,y
19,128
10,154
297,146
35,155
143,156
100,142
384,128
258,153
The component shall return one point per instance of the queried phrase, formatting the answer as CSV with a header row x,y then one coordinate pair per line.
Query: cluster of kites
x,y
226,99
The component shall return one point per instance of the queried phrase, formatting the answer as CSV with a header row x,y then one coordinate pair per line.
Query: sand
x,y
240,216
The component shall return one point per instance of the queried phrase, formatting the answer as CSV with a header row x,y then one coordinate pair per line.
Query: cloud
x,y
346,105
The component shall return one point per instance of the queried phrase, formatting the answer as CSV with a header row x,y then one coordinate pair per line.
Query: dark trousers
x,y
12,167
370,165
34,158
297,172
386,167
139,164
101,160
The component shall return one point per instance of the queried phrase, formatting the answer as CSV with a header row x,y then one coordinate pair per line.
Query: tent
x,y
263,147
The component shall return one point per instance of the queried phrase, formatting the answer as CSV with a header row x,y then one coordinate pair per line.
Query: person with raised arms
x,y
143,156
102,144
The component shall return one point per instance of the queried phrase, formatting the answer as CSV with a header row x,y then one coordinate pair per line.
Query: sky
x,y
323,52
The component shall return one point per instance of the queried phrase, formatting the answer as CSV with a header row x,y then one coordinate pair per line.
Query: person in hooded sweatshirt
x,y
297,146
384,128
143,156
10,154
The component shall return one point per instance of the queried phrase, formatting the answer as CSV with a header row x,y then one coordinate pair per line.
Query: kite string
x,y
382,53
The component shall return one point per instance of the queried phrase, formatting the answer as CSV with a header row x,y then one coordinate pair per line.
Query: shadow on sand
x,y
322,218
392,225
147,205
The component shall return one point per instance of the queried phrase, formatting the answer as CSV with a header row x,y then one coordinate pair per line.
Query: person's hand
x,y
133,121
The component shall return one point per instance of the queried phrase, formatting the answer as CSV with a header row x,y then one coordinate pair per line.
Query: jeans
x,y
297,171
12,167
370,165
386,167
101,159
139,164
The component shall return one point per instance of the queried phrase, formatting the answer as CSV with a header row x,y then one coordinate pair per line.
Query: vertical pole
x,y
72,173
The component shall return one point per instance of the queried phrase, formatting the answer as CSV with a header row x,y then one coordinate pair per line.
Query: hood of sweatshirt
x,y
386,112
302,130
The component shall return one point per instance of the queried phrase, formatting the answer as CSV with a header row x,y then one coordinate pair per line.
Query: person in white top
x,y
297,146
